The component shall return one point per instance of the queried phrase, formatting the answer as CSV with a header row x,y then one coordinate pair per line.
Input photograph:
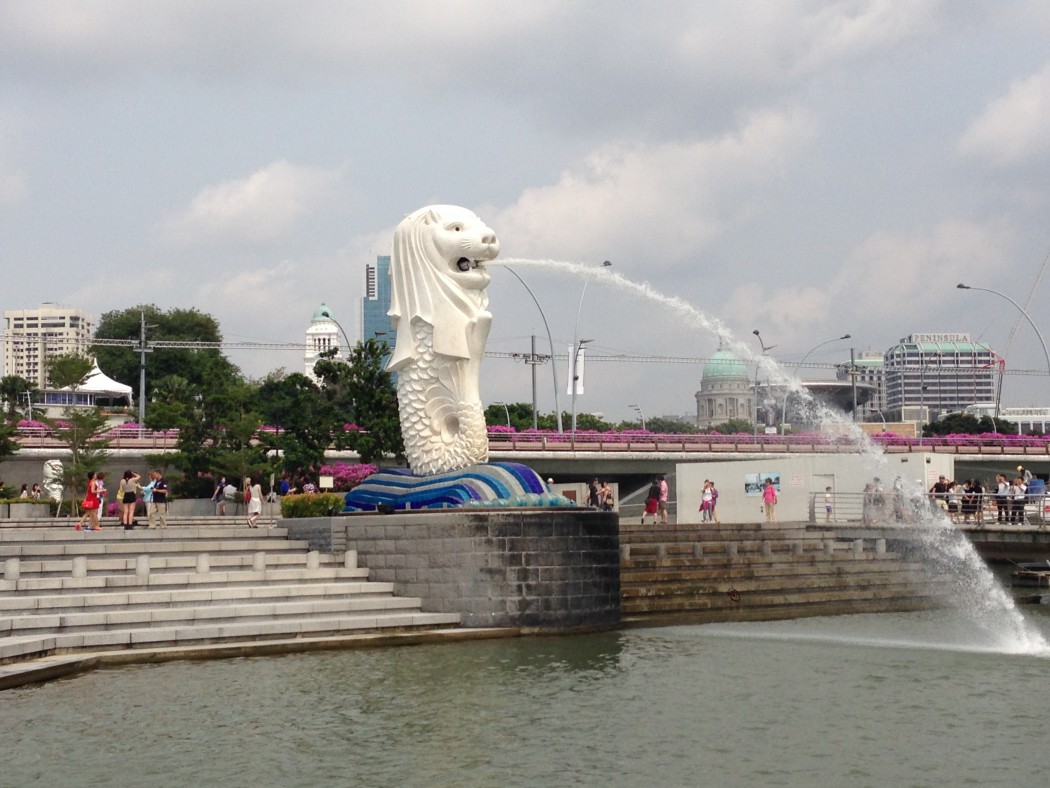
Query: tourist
x,y
1018,493
284,486
769,501
127,492
939,493
219,497
90,505
147,501
662,504
36,493
953,501
253,498
308,487
707,502
100,481
714,502
24,492
160,498
898,500
828,502
605,497
978,497
652,501
1002,498
592,494
969,502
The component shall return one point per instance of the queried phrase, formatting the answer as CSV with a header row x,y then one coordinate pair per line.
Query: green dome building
x,y
725,391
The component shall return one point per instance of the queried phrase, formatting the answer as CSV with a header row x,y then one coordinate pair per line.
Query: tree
x,y
302,425
79,426
199,367
733,427
216,427
361,393
967,423
14,390
8,444
68,370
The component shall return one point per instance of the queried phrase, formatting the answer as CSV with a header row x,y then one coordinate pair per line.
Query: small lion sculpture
x,y
440,310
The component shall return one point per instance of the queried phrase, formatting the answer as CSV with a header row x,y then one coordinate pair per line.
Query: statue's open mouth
x,y
463,264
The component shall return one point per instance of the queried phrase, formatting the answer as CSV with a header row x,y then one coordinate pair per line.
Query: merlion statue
x,y
439,307
53,480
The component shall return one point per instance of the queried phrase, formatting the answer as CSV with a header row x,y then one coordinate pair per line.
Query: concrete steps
x,y
755,571
184,586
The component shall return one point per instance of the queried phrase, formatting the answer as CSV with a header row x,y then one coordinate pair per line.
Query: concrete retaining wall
x,y
526,568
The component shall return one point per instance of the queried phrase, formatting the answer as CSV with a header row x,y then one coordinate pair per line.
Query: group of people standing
x,y
965,502
154,496
600,495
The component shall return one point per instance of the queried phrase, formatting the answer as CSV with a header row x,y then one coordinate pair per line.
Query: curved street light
x,y
640,414
550,340
1020,309
576,344
787,392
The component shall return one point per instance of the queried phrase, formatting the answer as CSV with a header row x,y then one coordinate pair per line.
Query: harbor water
x,y
893,699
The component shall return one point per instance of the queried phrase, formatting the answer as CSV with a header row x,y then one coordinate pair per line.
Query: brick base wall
x,y
549,568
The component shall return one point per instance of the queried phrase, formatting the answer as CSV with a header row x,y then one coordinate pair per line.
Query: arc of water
x,y
989,606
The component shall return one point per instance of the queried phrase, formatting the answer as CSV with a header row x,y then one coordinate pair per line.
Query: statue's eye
x,y
456,228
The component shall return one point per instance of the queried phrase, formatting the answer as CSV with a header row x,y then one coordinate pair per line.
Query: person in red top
x,y
90,505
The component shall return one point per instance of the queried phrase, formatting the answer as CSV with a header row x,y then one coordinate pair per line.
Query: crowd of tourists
x,y
154,495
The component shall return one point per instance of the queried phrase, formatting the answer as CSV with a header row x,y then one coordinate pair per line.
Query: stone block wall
x,y
545,568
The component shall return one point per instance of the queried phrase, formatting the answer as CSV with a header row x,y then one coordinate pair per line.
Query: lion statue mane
x,y
440,311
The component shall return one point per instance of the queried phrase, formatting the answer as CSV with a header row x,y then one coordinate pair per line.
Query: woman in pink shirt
x,y
769,501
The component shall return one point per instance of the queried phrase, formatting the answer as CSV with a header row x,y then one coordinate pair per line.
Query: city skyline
x,y
805,169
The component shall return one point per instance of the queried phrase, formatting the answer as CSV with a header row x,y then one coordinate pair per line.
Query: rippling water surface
x,y
859,700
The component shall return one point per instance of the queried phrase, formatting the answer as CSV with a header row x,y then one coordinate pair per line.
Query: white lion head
x,y
438,275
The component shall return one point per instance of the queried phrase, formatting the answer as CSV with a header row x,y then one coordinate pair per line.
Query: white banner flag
x,y
581,359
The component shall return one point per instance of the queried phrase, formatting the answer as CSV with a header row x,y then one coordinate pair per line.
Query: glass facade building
x,y
927,375
375,322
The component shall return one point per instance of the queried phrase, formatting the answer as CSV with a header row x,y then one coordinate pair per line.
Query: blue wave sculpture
x,y
489,485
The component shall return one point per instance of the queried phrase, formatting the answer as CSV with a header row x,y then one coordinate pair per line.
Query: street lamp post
x,y
1020,309
787,392
550,340
505,410
640,414
346,339
576,345
922,391
575,382
765,349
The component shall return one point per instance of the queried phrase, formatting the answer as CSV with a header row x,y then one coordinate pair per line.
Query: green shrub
x,y
311,505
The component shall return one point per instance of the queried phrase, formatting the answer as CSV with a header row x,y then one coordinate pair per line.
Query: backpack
x,y
229,491
247,494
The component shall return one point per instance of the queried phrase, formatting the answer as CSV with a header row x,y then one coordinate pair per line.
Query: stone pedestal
x,y
545,568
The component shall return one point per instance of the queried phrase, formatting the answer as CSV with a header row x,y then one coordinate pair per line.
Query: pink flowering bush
x,y
345,476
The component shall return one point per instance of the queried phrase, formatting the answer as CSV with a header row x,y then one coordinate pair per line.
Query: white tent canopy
x,y
100,384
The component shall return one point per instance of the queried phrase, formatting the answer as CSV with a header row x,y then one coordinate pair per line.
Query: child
x,y
827,504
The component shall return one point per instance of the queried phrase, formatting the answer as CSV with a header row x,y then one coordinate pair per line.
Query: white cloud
x,y
13,188
261,207
1013,128
901,280
675,197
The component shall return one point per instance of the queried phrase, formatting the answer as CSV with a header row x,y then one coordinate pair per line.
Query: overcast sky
x,y
807,169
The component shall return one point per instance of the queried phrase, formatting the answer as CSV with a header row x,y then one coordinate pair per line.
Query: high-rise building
x,y
31,336
870,370
927,375
375,322
322,336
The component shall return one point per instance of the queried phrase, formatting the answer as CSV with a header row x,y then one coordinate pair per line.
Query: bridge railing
x,y
129,436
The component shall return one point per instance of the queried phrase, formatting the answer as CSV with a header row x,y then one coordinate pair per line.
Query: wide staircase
x,y
756,571
197,582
